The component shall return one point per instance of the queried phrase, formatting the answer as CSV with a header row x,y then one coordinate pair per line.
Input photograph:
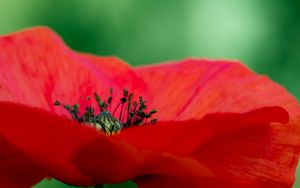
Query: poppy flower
x,y
219,124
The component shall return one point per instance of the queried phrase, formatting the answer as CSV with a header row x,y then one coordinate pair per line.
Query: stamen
x,y
123,100
106,122
109,100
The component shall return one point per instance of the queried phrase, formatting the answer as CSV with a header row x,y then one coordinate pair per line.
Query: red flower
x,y
220,125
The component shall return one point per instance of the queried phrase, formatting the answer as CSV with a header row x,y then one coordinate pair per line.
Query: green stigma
x,y
108,124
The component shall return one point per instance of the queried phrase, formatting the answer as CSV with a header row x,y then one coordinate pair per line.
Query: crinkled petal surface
x,y
37,68
195,88
220,124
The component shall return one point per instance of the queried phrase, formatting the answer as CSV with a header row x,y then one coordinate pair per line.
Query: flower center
x,y
127,113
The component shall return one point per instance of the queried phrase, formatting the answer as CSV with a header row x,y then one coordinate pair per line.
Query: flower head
x,y
219,124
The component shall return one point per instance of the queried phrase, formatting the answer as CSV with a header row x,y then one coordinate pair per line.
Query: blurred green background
x,y
263,34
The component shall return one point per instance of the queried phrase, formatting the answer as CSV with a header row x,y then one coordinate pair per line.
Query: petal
x,y
16,169
254,154
38,68
193,88
183,138
48,140
241,148
118,161
171,151
65,150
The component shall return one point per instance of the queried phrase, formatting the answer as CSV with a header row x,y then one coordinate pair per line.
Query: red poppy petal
x,y
39,69
170,149
186,136
16,169
193,88
118,161
54,143
48,140
240,147
256,153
